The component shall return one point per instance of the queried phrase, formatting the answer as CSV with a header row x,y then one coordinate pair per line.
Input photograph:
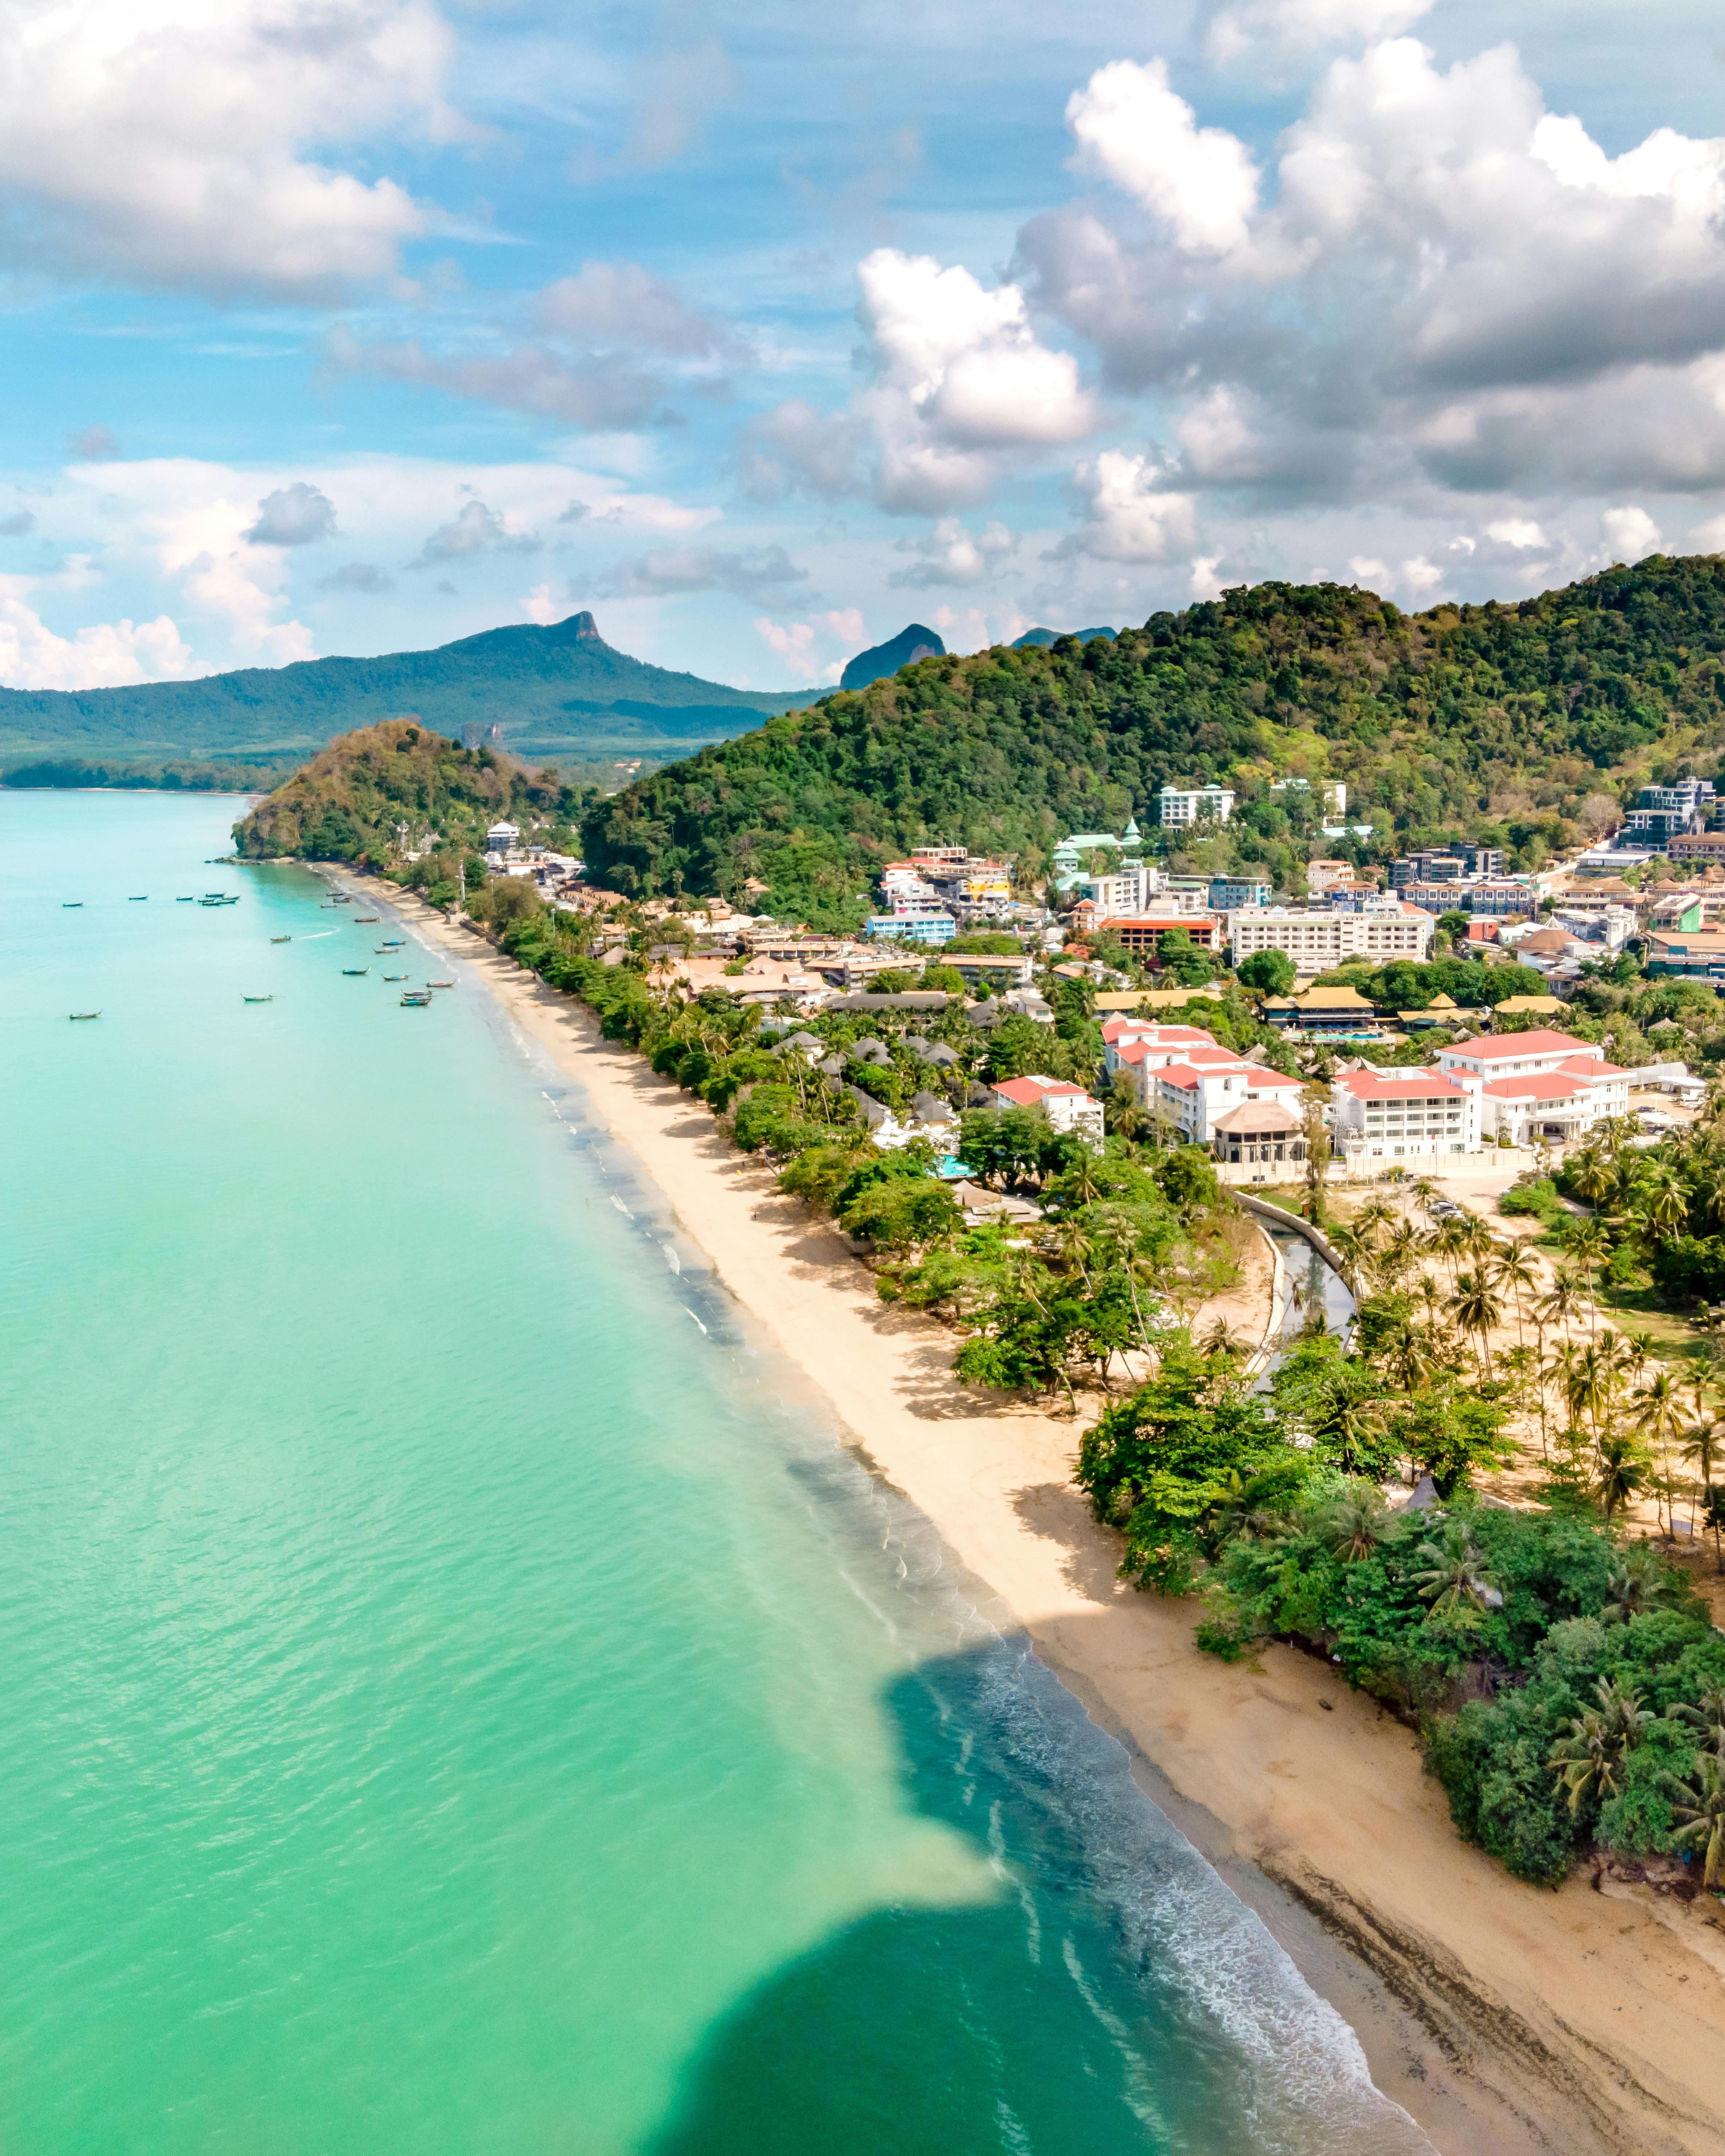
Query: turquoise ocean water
x,y
460,1694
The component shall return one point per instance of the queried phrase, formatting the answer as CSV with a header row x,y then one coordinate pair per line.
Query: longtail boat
x,y
259,999
281,939
77,1016
353,972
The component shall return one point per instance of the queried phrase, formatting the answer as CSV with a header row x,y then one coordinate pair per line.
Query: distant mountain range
x,y
560,694
881,660
1043,639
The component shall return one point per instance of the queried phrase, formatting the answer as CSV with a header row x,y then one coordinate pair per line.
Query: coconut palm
x,y
1373,1217
1638,1583
1657,1410
1590,1383
1623,1471
1452,1575
1410,1355
1713,1518
1349,1430
1515,1271
1476,1311
1352,1528
1221,1339
1708,1714
1587,1758
1354,1250
1565,1300
1399,1249
1664,1198
1699,1805
1448,1240
1701,1447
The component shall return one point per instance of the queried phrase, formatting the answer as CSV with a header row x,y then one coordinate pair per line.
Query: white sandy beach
x,y
1505,2018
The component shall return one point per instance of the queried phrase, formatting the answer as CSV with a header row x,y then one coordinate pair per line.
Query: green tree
x,y
1271,972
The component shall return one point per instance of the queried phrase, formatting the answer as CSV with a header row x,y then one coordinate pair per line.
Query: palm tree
x,y
1375,1215
1452,1576
1665,1199
1220,1338
1657,1408
1515,1271
1352,1528
1589,1758
1713,1518
1477,1311
1566,1299
1354,1250
1408,1354
1424,1191
1700,1805
1448,1240
1623,1471
1351,1428
1707,1713
1400,1247
1701,1447
1638,1583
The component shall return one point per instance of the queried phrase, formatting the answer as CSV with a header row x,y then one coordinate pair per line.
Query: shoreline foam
x,y
1502,2016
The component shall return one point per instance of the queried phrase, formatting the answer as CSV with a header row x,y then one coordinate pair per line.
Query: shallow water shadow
x,y
1076,2013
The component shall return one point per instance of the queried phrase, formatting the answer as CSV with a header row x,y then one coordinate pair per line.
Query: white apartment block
x,y
1067,1106
1195,804
1405,1114
1317,938
1539,1085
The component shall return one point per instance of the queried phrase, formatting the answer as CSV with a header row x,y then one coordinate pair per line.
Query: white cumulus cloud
x,y
1129,515
189,143
106,656
1135,131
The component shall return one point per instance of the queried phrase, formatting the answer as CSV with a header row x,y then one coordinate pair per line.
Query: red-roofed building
x,y
1539,1086
1067,1106
1194,1092
1405,1114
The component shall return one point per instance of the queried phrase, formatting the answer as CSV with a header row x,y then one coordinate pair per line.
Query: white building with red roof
x,y
1539,1084
1405,1114
1067,1106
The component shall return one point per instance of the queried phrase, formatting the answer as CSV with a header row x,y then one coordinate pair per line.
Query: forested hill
x,y
561,691
350,803
1462,718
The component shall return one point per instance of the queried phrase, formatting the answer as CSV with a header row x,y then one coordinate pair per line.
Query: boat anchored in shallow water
x,y
440,984
419,997
258,999
79,1017
353,972
281,939
139,898
70,905
395,976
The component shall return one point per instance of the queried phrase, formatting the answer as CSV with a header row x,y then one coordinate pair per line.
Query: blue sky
x,y
360,324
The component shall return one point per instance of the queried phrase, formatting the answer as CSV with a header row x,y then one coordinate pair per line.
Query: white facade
x,y
1067,1106
1195,804
1539,1086
501,837
1397,1115
1183,1074
1317,938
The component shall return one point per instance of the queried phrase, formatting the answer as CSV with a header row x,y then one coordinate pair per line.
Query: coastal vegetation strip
x,y
1567,1683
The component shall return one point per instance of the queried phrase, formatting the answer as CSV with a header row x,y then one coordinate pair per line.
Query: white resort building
x,y
1067,1106
1317,938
